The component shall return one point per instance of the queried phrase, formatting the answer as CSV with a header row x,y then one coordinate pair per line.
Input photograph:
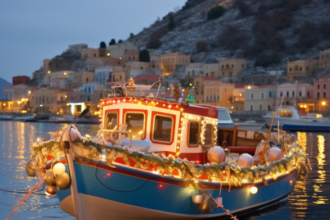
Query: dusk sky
x,y
31,31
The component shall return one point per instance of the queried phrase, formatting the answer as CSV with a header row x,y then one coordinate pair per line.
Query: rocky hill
x,y
268,33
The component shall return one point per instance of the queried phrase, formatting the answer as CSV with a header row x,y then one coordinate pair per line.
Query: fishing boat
x,y
290,118
155,158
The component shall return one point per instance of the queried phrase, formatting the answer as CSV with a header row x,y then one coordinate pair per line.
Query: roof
x,y
302,61
147,78
21,76
266,86
176,53
209,78
239,85
324,77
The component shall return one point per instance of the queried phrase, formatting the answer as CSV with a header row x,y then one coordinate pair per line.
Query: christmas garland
x,y
187,170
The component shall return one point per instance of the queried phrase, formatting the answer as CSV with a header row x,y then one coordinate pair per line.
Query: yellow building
x,y
17,97
237,100
118,50
131,56
324,59
300,67
44,100
77,79
171,60
89,53
118,76
232,67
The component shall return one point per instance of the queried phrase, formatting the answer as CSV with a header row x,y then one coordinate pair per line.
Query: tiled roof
x,y
239,85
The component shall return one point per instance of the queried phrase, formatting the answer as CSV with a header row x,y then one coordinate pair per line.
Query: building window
x,y
318,86
307,68
300,68
324,94
260,107
227,66
207,74
251,95
112,120
270,94
162,130
120,77
290,69
308,94
281,94
318,95
287,94
262,96
251,107
141,68
193,134
324,86
269,108
243,66
292,93
232,66
223,67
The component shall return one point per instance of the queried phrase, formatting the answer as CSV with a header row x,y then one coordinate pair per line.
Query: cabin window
x,y
193,134
285,114
112,120
223,115
208,135
162,130
135,124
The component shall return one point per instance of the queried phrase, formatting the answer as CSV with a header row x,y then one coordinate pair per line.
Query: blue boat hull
x,y
107,192
305,127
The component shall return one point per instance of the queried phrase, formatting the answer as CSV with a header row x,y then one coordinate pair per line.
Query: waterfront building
x,y
87,91
299,95
237,100
17,97
260,98
322,93
171,62
299,68
232,67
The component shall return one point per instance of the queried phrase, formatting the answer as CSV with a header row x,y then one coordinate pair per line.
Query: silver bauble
x,y
197,199
245,161
274,154
50,178
216,155
63,181
30,168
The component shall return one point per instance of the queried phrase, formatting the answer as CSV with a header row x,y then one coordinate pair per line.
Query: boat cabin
x,y
172,128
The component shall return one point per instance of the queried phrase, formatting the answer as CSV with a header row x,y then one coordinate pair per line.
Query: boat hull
x,y
127,193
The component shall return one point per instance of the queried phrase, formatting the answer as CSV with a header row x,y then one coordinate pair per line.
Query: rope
x,y
23,192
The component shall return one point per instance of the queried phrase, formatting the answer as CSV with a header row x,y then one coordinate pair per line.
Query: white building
x,y
294,93
54,76
261,98
102,74
88,88
194,69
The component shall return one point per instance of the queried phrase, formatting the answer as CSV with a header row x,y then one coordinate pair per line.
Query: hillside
x,y
3,84
267,33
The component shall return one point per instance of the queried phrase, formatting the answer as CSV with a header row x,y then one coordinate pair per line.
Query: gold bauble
x,y
51,190
63,181
50,178
30,169
207,205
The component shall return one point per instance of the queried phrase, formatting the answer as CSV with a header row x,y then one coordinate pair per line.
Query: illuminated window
x,y
285,114
208,135
112,119
162,130
193,134
135,124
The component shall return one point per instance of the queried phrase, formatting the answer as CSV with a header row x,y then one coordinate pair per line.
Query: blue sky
x,y
33,30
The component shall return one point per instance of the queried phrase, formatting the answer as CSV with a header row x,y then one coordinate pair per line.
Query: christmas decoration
x,y
30,168
190,98
51,190
50,178
58,169
131,86
274,154
63,181
197,199
245,161
216,155
176,91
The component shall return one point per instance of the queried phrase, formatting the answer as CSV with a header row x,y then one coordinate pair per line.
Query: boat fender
x,y
208,204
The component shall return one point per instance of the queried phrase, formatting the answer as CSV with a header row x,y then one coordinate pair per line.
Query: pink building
x,y
322,93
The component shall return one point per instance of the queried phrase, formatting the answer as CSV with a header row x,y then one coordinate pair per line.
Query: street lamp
x,y
323,103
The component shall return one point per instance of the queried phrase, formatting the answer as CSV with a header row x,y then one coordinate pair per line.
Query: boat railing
x,y
122,132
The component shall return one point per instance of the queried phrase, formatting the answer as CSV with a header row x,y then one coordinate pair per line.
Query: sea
x,y
309,200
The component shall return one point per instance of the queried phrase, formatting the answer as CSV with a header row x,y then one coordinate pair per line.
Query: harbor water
x,y
309,200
